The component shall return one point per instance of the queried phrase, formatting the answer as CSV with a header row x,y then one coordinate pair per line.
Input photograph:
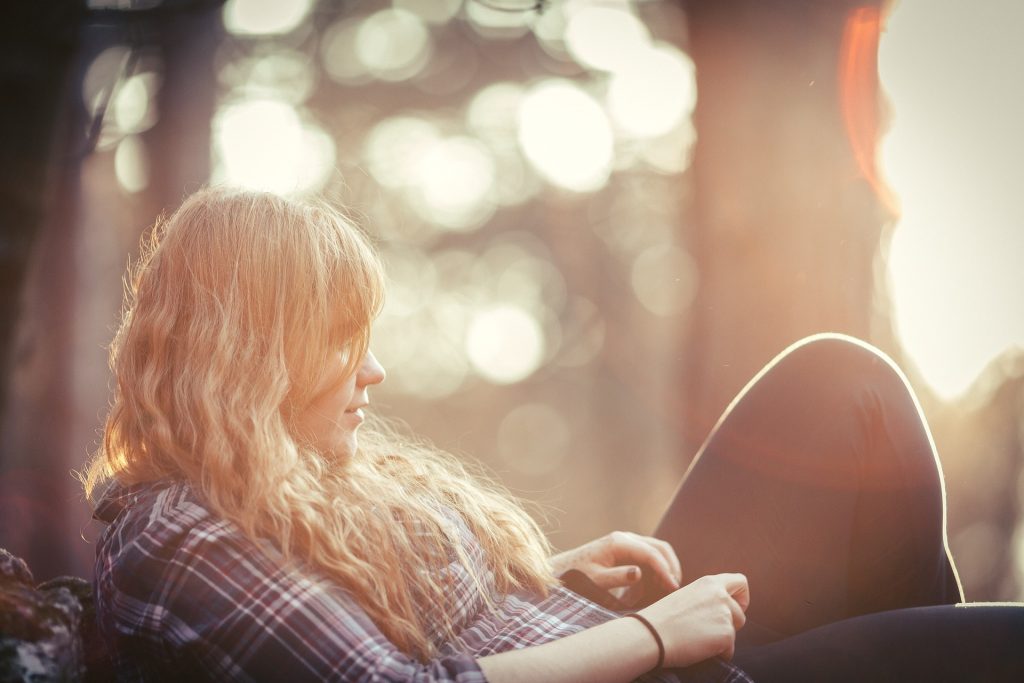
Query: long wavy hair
x,y
232,312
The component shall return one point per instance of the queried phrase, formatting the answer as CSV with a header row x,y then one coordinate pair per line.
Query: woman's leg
x,y
962,643
820,483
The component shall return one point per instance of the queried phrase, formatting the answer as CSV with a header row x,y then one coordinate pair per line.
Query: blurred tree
x,y
50,130
786,223
38,190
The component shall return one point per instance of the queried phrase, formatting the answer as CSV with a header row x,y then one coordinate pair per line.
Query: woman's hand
x,y
695,622
620,559
700,619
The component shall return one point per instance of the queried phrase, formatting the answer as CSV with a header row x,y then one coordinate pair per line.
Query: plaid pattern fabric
x,y
183,595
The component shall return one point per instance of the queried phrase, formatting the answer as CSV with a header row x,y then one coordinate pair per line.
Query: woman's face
x,y
332,418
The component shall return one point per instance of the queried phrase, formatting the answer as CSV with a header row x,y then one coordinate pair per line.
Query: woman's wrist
x,y
560,563
612,652
654,634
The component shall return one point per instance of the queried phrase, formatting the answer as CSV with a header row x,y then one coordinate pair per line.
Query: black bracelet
x,y
657,638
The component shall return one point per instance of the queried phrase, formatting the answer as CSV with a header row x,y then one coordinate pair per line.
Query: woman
x,y
259,531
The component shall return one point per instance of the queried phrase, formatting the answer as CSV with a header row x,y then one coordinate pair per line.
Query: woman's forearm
x,y
613,652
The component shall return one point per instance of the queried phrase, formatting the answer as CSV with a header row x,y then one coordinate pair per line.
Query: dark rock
x,y
48,633
14,570
95,654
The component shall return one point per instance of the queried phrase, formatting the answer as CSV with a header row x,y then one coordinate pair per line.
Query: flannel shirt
x,y
182,594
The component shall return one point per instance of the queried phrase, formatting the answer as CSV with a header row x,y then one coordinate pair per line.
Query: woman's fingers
x,y
619,559
665,549
736,585
738,617
616,577
643,550
669,553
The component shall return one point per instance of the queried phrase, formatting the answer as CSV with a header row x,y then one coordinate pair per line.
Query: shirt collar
x,y
117,496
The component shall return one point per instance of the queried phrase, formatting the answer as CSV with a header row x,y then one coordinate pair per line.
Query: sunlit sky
x,y
955,157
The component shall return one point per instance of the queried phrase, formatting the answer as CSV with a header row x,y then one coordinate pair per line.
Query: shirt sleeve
x,y
233,613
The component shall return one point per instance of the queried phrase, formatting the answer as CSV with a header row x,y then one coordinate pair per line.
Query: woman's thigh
x,y
963,643
821,484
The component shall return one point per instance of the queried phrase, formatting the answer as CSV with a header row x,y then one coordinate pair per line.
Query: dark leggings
x,y
821,484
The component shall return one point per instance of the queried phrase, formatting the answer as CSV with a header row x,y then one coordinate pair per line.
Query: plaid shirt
x,y
182,594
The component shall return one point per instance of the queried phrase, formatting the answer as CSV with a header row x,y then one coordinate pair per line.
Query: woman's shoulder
x,y
158,530
166,558
153,508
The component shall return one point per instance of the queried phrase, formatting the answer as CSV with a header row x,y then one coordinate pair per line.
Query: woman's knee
x,y
838,386
845,377
833,348
833,361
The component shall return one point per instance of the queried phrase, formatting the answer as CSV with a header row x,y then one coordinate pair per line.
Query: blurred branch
x,y
147,11
537,5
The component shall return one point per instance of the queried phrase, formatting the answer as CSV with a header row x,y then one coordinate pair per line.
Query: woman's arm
x,y
613,652
695,622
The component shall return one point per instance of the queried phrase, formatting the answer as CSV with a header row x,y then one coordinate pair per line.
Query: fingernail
x,y
633,574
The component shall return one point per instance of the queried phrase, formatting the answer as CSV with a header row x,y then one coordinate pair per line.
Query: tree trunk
x,y
787,218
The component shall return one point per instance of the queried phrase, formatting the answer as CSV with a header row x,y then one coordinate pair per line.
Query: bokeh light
x,y
338,52
549,30
493,116
431,11
264,17
498,24
393,44
281,74
489,311
133,105
453,183
264,144
671,153
664,279
422,306
131,164
566,136
504,344
102,76
493,113
395,147
653,92
605,37
523,273
534,439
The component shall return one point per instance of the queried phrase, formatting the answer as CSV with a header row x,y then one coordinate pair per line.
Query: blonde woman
x,y
262,527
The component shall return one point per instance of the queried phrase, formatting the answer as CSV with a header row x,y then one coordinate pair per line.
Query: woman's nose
x,y
371,371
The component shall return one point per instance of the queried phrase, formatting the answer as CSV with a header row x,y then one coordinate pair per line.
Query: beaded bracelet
x,y
657,638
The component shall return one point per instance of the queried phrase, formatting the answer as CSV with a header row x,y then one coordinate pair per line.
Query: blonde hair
x,y
237,302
